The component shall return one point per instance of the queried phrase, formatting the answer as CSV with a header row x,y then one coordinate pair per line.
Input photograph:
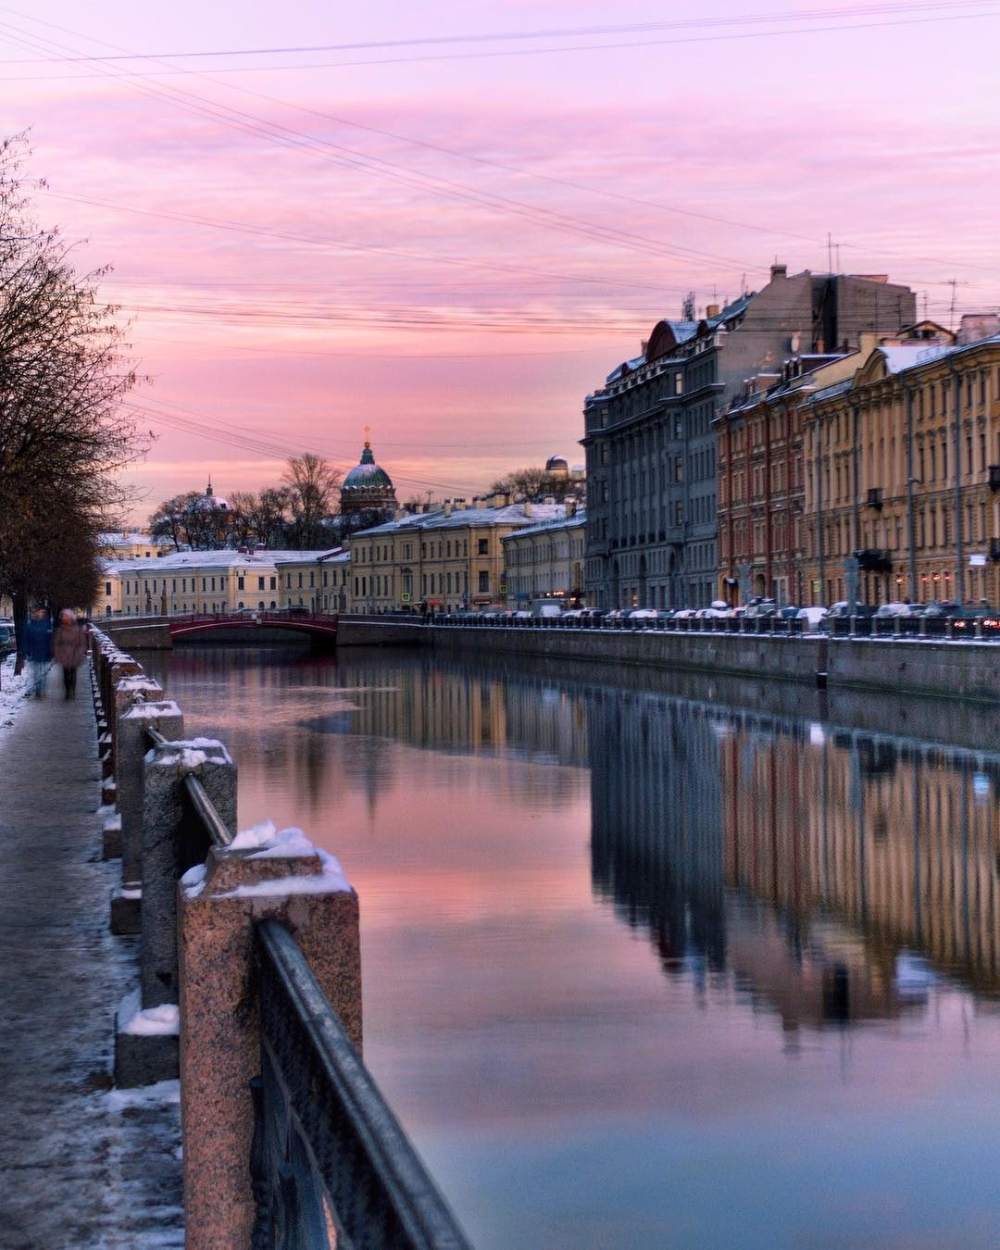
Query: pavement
x,y
81,1164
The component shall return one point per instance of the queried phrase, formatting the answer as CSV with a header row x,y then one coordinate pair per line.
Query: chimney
x,y
712,310
570,508
974,327
778,271
527,508
447,507
479,501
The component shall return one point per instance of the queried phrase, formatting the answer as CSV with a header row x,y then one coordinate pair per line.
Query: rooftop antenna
x,y
829,252
953,283
923,296
743,285
837,246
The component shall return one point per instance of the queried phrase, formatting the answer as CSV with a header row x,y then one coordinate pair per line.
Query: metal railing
x,y
330,1163
983,629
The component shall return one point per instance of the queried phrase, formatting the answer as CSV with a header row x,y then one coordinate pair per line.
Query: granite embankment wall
x,y
940,669
149,635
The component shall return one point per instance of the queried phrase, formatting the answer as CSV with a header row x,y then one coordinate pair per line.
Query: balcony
x,y
875,498
874,560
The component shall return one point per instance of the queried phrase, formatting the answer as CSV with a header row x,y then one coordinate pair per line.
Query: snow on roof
x,y
557,523
218,559
511,514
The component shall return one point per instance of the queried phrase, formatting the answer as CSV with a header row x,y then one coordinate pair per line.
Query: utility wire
x,y
556,33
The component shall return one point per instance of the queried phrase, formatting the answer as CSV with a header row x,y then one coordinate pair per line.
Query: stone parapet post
x,y
172,840
219,906
133,745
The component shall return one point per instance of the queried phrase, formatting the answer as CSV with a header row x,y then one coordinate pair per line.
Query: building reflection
x,y
896,838
829,874
834,874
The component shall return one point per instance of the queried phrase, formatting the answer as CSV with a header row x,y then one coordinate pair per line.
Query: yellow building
x,y
442,560
131,545
223,581
902,472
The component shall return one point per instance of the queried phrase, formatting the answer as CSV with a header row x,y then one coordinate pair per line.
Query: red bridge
x,y
298,621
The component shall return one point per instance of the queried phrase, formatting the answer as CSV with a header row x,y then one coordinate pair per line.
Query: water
x,y
642,968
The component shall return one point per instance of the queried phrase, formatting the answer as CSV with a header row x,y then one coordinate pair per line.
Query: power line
x,y
592,47
288,137
516,35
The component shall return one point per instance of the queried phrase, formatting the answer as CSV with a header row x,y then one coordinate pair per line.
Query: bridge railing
x,y
250,989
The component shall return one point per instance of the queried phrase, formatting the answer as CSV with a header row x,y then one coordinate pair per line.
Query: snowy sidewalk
x,y
80,1165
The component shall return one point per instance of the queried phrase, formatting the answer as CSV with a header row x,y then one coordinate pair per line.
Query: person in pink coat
x,y
69,646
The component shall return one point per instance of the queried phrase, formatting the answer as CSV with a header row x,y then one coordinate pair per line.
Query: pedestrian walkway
x,y
81,1165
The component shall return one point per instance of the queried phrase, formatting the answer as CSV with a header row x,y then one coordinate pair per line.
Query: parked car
x,y
8,641
812,618
842,609
759,607
887,611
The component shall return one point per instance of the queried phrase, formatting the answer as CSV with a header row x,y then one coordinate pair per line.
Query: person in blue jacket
x,y
38,650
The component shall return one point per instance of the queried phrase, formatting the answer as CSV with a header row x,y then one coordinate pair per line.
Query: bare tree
x,y
242,525
533,484
270,515
64,431
311,483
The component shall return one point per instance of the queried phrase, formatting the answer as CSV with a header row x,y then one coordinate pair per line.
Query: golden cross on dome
x,y
368,430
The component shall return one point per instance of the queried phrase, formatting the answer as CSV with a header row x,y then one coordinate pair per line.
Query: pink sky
x,y
461,302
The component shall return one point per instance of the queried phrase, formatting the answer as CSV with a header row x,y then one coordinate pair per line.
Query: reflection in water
x,y
626,949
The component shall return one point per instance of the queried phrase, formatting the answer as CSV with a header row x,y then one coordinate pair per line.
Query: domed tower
x,y
367,496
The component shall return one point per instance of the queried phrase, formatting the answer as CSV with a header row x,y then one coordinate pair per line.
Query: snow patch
x,y
144,1095
193,881
249,839
13,691
136,684
153,711
162,1021
190,754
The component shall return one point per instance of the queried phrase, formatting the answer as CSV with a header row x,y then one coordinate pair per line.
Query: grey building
x,y
650,441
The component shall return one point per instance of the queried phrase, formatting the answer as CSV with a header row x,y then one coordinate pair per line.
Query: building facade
x,y
760,484
902,474
650,435
545,561
224,581
441,560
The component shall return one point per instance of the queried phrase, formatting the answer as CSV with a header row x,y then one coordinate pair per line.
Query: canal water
x,y
651,967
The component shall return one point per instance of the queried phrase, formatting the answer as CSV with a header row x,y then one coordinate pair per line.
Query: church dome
x,y
210,502
367,489
366,475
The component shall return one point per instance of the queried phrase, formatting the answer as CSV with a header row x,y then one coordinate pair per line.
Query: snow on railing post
x,y
263,874
133,723
172,840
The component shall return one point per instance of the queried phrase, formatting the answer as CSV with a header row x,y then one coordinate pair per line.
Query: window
x,y
273,585
260,583
107,588
484,581
483,546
